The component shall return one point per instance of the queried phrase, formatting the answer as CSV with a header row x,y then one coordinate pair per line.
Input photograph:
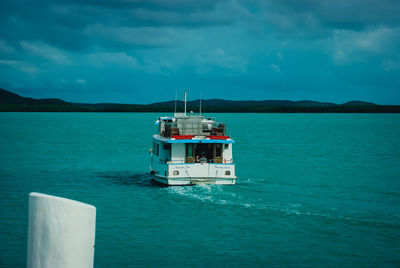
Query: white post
x,y
61,232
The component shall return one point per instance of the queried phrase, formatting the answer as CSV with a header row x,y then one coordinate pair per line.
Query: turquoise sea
x,y
313,190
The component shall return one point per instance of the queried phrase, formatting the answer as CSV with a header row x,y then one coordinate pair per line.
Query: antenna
x,y
200,103
176,96
185,101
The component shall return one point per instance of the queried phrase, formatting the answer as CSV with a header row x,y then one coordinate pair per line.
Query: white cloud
x,y
352,46
275,67
9,62
133,36
221,58
105,59
45,51
279,55
81,81
340,57
22,66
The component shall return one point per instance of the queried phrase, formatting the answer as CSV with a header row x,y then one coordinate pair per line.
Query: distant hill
x,y
9,98
11,102
220,102
358,103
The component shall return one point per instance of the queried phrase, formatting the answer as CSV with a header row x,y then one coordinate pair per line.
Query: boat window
x,y
218,150
167,146
157,149
189,150
226,146
203,152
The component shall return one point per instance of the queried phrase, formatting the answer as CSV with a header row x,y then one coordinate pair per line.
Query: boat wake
x,y
232,196
213,194
203,192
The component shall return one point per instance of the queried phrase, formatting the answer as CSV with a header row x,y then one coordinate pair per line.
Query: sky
x,y
144,51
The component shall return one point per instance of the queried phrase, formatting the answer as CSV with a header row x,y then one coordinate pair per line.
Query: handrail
x,y
209,161
166,129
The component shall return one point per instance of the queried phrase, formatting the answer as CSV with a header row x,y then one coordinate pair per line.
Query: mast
x,y
185,101
176,96
200,104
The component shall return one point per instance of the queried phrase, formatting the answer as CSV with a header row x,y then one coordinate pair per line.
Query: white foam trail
x,y
215,194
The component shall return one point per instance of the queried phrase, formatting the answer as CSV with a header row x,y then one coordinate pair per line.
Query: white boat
x,y
191,149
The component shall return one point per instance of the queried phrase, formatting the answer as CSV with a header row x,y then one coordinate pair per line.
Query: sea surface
x,y
313,190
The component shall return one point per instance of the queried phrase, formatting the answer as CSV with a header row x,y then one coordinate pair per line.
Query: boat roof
x,y
193,139
191,128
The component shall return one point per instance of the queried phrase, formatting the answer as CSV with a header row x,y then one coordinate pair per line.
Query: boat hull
x,y
170,181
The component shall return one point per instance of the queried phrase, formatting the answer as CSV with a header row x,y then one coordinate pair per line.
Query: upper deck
x,y
192,139
182,126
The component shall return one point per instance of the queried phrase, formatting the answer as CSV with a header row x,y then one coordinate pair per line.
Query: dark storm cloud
x,y
320,17
139,13
69,24
323,49
344,13
85,24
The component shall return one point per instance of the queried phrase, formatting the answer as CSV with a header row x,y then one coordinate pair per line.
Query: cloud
x,y
45,51
321,46
82,25
25,67
5,48
354,46
81,81
221,59
71,24
275,68
131,37
106,59
315,19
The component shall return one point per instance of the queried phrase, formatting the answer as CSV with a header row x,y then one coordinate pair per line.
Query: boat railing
x,y
217,161
192,127
207,161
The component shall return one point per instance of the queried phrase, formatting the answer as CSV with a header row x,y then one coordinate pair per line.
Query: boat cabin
x,y
192,139
191,149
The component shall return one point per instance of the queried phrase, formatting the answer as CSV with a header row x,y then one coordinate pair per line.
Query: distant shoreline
x,y
211,109
11,102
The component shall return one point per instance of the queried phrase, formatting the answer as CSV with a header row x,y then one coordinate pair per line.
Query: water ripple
x,y
127,178
216,194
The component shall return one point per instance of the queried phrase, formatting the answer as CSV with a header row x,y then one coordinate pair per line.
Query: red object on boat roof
x,y
212,137
189,137
182,137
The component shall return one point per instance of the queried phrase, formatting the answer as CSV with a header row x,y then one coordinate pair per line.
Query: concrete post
x,y
61,232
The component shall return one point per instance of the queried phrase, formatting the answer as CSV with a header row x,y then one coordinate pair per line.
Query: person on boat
x,y
203,158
